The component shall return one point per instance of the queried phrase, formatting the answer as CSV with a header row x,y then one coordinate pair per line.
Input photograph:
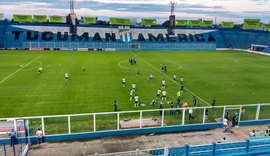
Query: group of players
x,y
161,94
132,61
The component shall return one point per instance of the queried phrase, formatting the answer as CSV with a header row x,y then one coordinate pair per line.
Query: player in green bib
x,y
178,94
40,69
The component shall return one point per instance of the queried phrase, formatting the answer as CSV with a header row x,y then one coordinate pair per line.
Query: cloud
x,y
185,9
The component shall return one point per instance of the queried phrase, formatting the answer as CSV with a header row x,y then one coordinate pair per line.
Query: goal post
x,y
258,47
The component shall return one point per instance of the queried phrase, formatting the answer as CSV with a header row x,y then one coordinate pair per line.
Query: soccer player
x,y
163,84
184,105
123,81
164,95
131,95
178,106
178,94
40,70
83,69
194,101
182,88
178,100
158,93
174,77
165,68
190,112
214,102
66,75
153,102
115,103
138,73
136,104
134,87
160,112
182,80
206,115
150,77
171,106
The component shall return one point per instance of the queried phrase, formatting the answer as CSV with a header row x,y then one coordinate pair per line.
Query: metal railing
x,y
260,145
109,121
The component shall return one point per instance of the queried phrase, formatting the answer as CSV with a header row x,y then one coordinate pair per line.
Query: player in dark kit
x,y
178,100
194,101
182,88
115,103
214,102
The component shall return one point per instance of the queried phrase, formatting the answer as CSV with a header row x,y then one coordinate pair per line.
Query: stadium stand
x,y
35,36
252,145
92,37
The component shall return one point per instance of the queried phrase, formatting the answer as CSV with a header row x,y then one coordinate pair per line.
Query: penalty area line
x,y
19,69
173,80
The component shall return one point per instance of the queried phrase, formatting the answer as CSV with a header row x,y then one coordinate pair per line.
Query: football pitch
x,y
229,76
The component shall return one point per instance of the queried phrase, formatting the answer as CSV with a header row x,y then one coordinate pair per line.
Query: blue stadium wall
x,y
33,36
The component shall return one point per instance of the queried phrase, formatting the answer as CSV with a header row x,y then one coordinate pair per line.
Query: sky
x,y
222,10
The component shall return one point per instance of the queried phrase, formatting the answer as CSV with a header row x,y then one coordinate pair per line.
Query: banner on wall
x,y
227,25
40,18
1,16
195,23
149,21
207,23
89,20
22,18
252,23
181,22
56,19
120,21
266,27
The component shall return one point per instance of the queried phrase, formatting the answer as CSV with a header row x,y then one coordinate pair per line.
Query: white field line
x,y
40,64
120,65
19,69
174,81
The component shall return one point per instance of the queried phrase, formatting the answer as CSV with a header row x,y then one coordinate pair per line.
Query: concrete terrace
x,y
142,142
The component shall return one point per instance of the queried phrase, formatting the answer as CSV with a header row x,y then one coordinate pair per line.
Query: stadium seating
x,y
243,39
253,145
151,38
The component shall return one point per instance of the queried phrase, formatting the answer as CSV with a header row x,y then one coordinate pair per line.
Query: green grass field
x,y
232,77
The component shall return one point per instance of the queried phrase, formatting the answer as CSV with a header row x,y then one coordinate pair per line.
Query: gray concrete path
x,y
142,142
